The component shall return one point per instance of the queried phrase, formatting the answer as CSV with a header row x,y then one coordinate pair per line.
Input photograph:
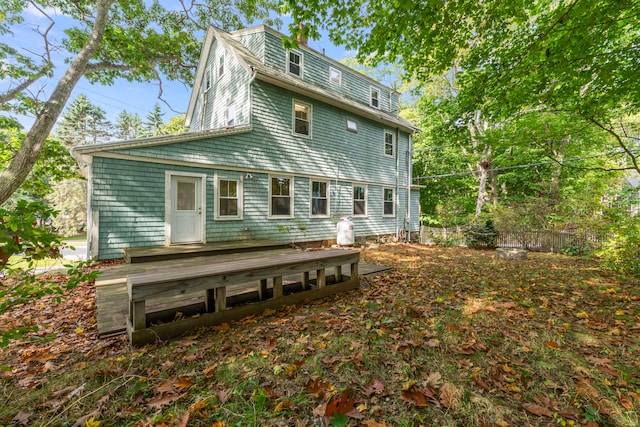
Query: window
x,y
389,202
294,64
207,80
280,196
352,125
221,65
229,194
319,198
230,114
375,98
388,143
301,118
359,200
335,76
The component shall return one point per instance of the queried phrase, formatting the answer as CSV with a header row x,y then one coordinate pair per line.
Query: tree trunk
x,y
482,186
21,164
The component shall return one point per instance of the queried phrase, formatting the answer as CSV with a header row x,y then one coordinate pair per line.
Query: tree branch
x,y
22,163
625,148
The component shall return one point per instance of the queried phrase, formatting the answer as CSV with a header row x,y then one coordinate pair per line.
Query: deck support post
x,y
354,270
262,290
277,287
138,315
305,280
321,278
221,299
338,273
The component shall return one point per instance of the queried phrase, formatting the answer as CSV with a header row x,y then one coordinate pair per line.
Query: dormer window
x,y
230,114
335,76
375,98
294,63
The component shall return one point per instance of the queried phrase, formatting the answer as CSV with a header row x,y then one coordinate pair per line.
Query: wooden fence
x,y
533,240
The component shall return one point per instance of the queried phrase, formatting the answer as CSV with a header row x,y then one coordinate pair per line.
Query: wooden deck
x,y
163,253
112,298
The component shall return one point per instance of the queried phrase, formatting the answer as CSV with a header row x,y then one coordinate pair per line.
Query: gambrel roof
x,y
258,70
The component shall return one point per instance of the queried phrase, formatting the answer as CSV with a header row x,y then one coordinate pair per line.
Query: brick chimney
x,y
302,39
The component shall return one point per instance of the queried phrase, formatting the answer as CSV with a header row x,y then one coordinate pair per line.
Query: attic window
x,y
230,114
352,125
207,80
375,98
221,65
335,76
295,63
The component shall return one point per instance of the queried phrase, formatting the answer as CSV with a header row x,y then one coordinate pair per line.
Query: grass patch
x,y
450,337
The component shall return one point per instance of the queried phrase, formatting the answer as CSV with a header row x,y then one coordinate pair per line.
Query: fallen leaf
x,y
538,410
317,387
221,327
373,423
434,379
375,386
158,402
450,396
282,406
415,396
625,401
210,371
553,345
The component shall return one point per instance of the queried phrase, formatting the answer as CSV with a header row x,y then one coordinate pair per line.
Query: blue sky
x,y
137,98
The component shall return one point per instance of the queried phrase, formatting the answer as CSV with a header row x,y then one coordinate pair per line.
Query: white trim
x,y
353,128
291,204
239,196
337,81
300,65
327,196
366,200
393,201
168,175
295,102
371,90
393,143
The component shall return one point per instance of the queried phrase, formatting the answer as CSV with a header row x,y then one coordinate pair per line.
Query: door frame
x,y
168,178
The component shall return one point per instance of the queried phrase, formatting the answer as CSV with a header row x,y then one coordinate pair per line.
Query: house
x,y
282,143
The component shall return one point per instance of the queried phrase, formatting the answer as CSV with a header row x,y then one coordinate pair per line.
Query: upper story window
x,y
352,125
301,118
389,145
281,197
319,198
207,79
359,200
335,75
389,202
221,65
229,199
230,114
374,100
294,63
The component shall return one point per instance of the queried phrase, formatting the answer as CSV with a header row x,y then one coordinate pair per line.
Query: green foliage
x,y
24,230
481,235
128,126
56,163
69,199
622,250
83,123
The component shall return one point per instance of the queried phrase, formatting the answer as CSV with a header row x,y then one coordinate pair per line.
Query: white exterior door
x,y
186,209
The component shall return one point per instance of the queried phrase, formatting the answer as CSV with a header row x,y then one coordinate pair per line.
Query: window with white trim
x,y
335,75
230,114
281,197
374,99
319,199
352,125
207,80
389,143
389,201
221,65
229,199
359,200
294,63
301,118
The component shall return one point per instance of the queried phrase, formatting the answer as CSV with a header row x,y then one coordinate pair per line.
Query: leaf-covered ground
x,y
450,337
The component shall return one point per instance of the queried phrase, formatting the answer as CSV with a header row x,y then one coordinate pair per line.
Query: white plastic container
x,y
345,232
